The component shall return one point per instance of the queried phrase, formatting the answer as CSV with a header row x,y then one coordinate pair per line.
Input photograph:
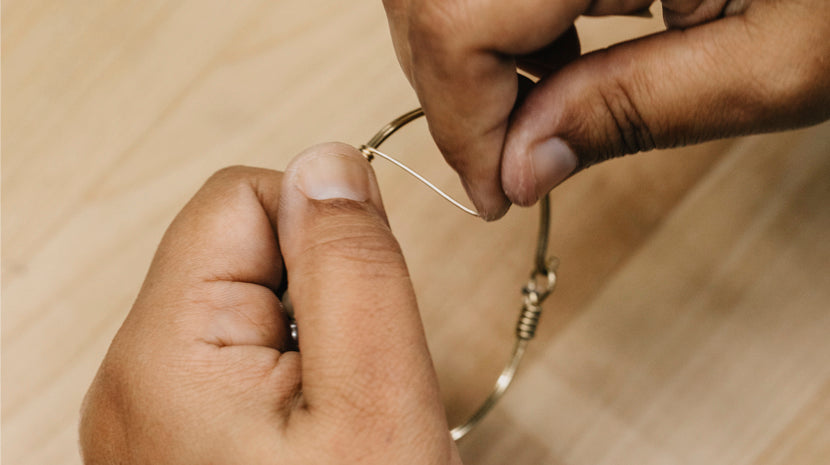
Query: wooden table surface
x,y
691,324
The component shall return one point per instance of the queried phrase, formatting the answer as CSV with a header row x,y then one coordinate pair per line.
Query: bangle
x,y
540,285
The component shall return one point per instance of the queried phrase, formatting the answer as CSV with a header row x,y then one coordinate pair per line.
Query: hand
x,y
739,67
197,373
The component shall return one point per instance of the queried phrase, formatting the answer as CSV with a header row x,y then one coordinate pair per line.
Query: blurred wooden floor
x,y
692,320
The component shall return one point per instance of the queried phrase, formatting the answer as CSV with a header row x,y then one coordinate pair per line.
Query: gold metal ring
x,y
539,287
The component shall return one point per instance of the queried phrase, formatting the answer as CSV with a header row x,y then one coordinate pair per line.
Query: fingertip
x,y
325,149
490,203
333,170
517,178
552,161
534,172
496,213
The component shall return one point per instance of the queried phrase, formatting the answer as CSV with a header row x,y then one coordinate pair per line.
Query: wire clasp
x,y
538,288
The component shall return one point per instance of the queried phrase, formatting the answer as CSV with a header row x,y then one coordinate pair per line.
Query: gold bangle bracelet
x,y
540,285
538,288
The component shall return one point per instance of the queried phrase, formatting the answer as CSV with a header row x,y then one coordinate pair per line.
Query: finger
x,y
216,271
686,13
738,75
361,337
459,56
551,58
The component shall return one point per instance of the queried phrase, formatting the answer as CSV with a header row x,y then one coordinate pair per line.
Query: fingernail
x,y
326,177
552,162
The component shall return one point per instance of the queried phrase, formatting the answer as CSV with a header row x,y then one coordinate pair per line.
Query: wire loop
x,y
371,152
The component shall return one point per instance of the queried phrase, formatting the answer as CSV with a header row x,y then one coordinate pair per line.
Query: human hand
x,y
198,372
724,68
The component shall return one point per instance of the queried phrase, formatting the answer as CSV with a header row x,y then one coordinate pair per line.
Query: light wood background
x,y
692,320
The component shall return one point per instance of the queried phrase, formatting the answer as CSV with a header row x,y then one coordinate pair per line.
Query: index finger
x,y
215,275
460,57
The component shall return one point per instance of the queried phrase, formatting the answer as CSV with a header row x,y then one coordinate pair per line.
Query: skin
x,y
723,68
198,373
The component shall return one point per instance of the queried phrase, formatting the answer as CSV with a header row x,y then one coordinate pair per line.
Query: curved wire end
x,y
370,153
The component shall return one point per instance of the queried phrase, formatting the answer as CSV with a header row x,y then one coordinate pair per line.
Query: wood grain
x,y
691,320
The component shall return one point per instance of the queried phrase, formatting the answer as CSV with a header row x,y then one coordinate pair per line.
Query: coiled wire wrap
x,y
539,287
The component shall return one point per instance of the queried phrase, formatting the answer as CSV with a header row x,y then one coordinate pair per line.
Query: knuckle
x,y
802,87
106,406
232,174
362,255
432,22
353,235
239,176
625,128
231,179
239,183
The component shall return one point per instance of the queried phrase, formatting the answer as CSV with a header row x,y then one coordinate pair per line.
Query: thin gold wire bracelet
x,y
540,285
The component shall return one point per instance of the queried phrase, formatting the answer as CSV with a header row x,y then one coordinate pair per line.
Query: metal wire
x,y
502,383
370,150
367,151
539,287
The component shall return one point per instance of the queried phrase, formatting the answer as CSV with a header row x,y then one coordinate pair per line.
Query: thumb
x,y
361,338
737,75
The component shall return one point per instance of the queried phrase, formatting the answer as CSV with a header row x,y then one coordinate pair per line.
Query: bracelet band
x,y
540,285
538,288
